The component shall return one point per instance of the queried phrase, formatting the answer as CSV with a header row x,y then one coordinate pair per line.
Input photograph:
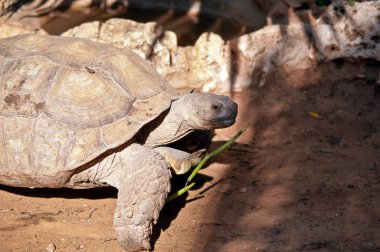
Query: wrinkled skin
x,y
82,122
142,174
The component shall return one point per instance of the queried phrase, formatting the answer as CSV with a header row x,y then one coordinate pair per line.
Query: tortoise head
x,y
188,113
208,111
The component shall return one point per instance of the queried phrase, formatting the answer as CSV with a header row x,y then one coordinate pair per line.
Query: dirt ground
x,y
292,182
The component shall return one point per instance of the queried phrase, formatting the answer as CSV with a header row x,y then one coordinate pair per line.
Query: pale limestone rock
x,y
346,31
55,16
212,66
215,65
203,67
273,47
13,28
150,41
21,18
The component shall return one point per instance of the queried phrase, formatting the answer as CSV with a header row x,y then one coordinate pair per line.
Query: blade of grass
x,y
180,192
215,152
204,160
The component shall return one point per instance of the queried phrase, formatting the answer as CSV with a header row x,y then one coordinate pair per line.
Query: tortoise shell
x,y
65,101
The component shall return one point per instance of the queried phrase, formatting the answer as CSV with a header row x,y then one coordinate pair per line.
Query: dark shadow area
x,y
308,179
187,29
172,208
311,171
188,19
67,193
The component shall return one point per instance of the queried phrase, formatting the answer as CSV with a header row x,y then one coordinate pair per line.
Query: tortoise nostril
x,y
215,107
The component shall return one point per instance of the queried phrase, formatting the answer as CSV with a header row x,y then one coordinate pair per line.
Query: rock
x,y
204,66
351,33
56,16
270,49
13,28
243,190
12,11
346,31
51,247
150,41
79,247
275,51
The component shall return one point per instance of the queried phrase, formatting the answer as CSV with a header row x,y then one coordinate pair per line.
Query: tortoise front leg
x,y
142,177
180,161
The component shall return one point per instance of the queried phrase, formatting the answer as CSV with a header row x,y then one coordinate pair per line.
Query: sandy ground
x,y
293,182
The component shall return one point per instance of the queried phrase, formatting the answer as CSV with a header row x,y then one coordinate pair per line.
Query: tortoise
x,y
80,114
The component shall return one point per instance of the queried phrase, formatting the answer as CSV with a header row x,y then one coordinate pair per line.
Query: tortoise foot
x,y
142,193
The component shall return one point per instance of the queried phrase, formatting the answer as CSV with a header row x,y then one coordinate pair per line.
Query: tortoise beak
x,y
221,112
209,111
227,114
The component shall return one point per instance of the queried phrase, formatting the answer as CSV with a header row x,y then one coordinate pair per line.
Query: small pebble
x,y
243,190
51,247
225,188
79,247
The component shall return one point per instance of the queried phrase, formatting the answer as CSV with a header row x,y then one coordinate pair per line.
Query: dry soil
x,y
304,177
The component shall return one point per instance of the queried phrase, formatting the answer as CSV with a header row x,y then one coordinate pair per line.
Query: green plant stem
x,y
203,161
215,152
180,192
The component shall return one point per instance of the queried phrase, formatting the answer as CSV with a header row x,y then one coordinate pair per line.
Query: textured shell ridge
x,y
83,99
25,86
3,153
73,105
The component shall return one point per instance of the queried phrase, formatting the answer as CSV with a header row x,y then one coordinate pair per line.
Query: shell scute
x,y
72,100
77,52
24,45
87,143
3,157
23,87
142,109
52,141
134,75
119,131
17,140
86,99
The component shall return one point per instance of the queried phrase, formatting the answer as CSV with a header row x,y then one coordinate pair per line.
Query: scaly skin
x,y
142,177
59,129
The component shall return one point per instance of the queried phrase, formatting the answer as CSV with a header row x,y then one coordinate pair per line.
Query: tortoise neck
x,y
168,127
